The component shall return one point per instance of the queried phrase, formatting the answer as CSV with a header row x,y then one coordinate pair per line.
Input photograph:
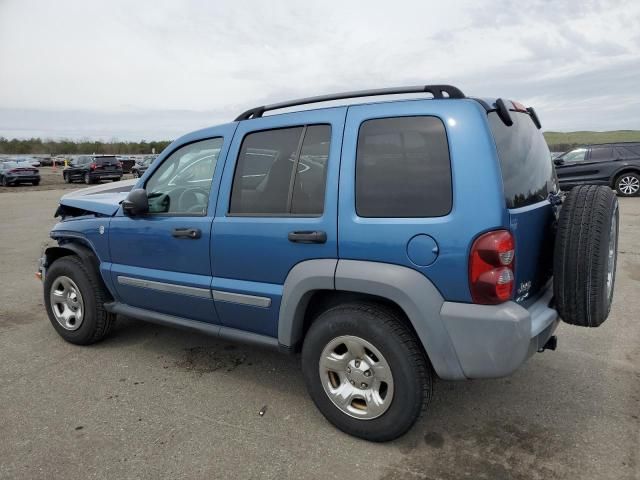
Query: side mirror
x,y
136,202
558,161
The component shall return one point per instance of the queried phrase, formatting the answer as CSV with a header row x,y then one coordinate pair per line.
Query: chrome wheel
x,y
356,377
66,303
612,254
629,185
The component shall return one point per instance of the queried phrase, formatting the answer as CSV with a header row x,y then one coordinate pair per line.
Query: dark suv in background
x,y
614,164
93,168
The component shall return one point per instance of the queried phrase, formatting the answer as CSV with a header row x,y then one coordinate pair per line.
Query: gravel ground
x,y
151,402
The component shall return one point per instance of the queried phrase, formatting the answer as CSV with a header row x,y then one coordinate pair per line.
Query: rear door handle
x,y
191,233
308,237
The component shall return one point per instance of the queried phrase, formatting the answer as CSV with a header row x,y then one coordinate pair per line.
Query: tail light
x,y
93,166
491,268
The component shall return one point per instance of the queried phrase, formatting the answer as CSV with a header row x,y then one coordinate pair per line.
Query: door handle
x,y
191,233
308,237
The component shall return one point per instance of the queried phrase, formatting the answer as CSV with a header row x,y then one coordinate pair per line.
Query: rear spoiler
x,y
502,109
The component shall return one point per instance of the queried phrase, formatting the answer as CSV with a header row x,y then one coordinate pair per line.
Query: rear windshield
x,y
528,174
103,160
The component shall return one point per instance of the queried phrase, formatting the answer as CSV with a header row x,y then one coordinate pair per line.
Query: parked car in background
x,y
15,173
127,163
93,168
616,165
141,166
34,162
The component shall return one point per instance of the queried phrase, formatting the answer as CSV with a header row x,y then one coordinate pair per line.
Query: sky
x,y
154,69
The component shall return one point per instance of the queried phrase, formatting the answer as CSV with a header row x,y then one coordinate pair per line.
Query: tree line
x,y
114,147
63,147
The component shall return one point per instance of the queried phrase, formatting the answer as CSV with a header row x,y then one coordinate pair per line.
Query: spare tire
x,y
586,250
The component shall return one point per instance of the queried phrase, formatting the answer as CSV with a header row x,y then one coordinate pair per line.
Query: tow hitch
x,y
551,344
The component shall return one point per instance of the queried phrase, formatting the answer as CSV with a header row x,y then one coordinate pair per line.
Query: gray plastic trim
x,y
244,299
301,282
494,340
165,287
416,296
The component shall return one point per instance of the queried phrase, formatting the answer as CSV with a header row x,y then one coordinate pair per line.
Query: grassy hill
x,y
561,141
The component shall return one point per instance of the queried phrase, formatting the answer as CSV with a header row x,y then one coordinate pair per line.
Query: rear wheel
x,y
36,183
135,174
74,297
628,184
365,371
585,256
66,177
5,182
87,178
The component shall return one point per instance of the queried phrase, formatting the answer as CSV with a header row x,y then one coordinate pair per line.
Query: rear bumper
x,y
23,178
494,340
107,175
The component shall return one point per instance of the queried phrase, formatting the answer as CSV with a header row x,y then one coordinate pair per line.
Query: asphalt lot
x,y
152,402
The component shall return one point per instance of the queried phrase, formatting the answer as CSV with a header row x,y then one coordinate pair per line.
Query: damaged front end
x,y
84,219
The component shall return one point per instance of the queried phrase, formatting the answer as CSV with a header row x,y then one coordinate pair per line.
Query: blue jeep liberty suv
x,y
388,242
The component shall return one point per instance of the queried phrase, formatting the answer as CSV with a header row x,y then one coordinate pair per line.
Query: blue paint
x,y
252,255
422,250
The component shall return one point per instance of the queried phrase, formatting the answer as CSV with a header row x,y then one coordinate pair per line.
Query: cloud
x,y
156,69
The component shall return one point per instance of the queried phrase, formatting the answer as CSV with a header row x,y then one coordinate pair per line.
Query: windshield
x,y
6,165
528,173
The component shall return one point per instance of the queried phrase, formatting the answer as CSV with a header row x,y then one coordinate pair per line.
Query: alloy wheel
x,y
356,377
629,185
67,303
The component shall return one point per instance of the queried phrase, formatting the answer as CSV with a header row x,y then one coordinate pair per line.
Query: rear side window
x,y
403,168
627,151
527,170
282,172
601,153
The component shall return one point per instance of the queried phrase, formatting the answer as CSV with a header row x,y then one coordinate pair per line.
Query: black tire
x,y
66,177
97,322
382,328
5,182
588,221
135,174
87,179
628,184
36,183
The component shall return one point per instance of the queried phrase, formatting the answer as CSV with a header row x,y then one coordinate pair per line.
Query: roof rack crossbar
x,y
438,91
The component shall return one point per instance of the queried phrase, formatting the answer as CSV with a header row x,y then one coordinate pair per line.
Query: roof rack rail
x,y
437,91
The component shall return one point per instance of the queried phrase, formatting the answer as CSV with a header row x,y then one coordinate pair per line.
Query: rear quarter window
x,y
528,174
403,168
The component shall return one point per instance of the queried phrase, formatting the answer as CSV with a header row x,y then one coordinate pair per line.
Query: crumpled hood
x,y
102,199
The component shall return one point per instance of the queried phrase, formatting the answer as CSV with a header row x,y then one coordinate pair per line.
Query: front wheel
x,y
366,371
74,297
87,178
628,184
5,182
